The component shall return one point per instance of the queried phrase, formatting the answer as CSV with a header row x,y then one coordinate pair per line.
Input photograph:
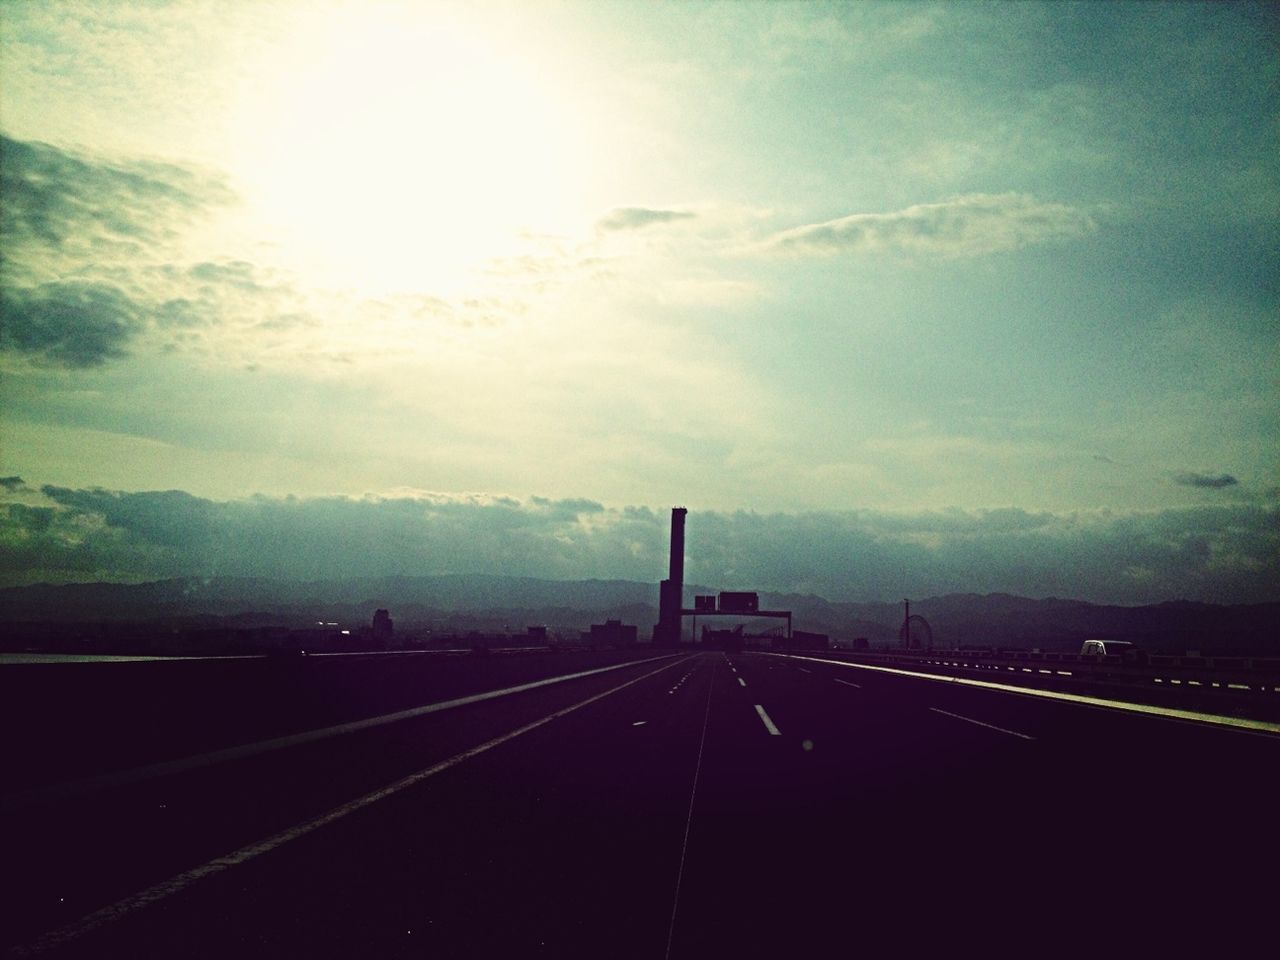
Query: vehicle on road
x,y
1110,648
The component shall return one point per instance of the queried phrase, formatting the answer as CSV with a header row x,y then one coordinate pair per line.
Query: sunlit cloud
x,y
59,207
95,254
635,218
967,226
104,258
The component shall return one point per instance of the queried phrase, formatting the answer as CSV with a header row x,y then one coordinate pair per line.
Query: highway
x,y
697,804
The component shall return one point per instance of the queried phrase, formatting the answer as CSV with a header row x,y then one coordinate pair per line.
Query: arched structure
x,y
915,633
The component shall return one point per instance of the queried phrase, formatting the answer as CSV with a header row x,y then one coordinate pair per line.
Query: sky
x,y
898,299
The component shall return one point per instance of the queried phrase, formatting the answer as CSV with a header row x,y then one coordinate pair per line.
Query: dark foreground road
x,y
694,806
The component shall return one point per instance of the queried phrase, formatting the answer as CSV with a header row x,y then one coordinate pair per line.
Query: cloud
x,y
1206,480
966,226
89,247
634,218
106,257
98,264
1220,553
65,202
71,323
233,273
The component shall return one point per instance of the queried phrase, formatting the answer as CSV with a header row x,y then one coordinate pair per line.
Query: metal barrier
x,y
1236,684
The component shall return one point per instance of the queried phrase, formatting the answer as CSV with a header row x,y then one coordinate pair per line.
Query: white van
x,y
1105,648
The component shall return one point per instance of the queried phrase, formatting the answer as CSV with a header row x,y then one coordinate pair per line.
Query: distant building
x,y
325,636
803,640
382,627
729,640
611,633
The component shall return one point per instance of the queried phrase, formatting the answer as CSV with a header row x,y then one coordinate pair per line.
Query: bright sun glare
x,y
399,153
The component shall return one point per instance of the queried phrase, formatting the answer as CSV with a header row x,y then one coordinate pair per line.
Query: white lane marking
x,y
415,653
989,726
680,682
768,724
640,723
166,888
170,767
693,792
1240,724
803,670
741,681
848,683
12,659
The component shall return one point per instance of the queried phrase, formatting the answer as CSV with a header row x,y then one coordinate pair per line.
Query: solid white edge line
x,y
1163,713
989,726
166,888
169,767
768,724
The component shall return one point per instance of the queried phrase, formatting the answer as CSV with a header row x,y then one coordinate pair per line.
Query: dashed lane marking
x,y
768,724
741,681
680,682
848,683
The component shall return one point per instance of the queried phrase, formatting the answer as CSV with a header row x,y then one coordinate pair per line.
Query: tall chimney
x,y
677,549
671,590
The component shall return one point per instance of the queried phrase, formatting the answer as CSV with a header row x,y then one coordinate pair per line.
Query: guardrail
x,y
1233,684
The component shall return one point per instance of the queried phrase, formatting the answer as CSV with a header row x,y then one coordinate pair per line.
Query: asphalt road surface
x,y
696,805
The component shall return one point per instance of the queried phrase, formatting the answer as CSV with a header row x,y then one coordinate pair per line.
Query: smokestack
x,y
671,590
677,549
